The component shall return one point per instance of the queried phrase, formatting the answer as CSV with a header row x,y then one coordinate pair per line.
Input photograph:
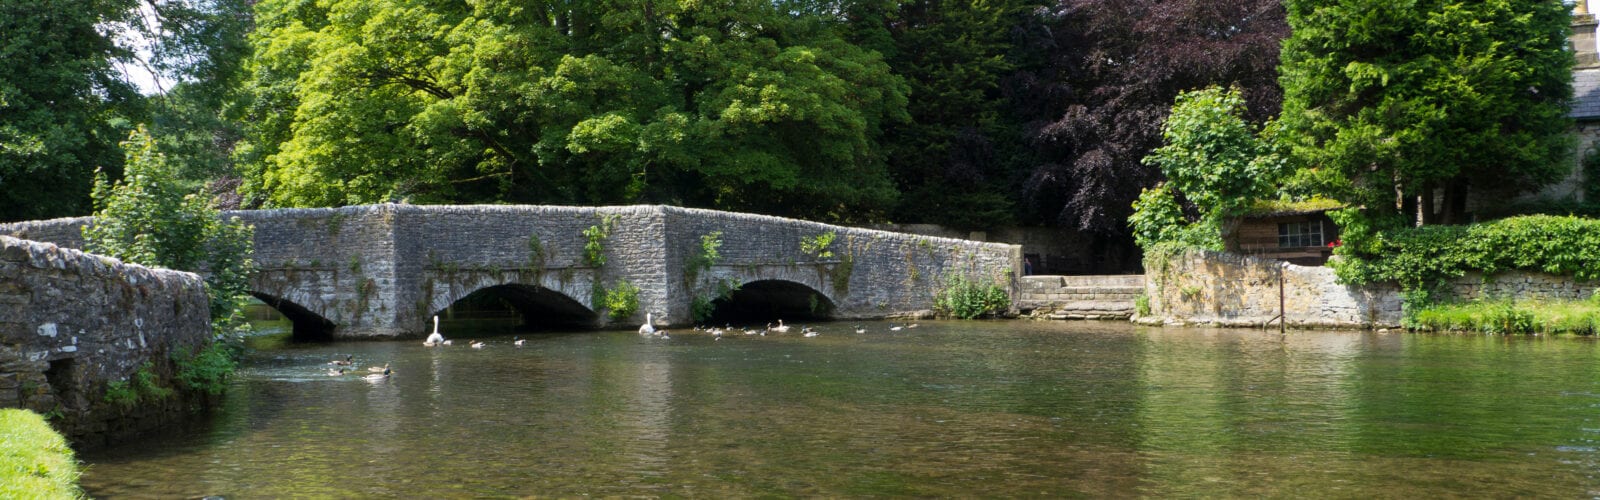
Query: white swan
x,y
647,328
781,328
434,338
476,344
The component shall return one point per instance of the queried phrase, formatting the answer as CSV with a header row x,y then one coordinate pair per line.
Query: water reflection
x,y
949,409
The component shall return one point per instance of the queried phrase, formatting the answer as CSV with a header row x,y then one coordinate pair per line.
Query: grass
x,y
1580,317
35,461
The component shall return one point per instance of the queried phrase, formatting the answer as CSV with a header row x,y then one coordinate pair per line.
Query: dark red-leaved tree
x,y
1107,73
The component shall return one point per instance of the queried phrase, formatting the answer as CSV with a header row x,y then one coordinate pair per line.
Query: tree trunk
x,y
1455,202
1425,204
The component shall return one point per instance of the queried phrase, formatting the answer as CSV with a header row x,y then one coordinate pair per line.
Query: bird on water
x,y
435,338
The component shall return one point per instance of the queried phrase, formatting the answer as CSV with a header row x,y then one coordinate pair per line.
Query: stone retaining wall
x,y
72,322
1210,288
1199,287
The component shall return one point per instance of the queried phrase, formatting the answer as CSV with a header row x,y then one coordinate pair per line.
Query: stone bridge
x,y
384,270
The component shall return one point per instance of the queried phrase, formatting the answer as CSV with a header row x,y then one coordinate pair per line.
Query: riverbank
x,y
35,461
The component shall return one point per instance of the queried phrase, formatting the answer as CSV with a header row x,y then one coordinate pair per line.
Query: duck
x,y
376,369
861,329
913,325
435,338
378,376
648,328
348,359
518,341
809,332
446,342
477,344
665,335
334,372
894,328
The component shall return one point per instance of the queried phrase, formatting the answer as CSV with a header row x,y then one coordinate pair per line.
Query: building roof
x,y
1585,94
1280,208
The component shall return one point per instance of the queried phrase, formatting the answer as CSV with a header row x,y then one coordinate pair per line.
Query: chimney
x,y
1583,44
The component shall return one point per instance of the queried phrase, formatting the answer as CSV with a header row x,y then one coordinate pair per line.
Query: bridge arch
x,y
308,325
541,308
767,300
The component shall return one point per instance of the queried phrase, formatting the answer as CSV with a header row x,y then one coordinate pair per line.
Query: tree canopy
x,y
1387,103
744,105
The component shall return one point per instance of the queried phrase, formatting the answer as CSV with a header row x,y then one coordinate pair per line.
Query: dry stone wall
x,y
71,323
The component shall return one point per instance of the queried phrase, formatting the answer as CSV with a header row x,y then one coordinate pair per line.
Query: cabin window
x,y
1300,234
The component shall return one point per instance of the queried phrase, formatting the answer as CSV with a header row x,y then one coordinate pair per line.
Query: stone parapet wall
x,y
72,322
870,274
1080,297
1210,288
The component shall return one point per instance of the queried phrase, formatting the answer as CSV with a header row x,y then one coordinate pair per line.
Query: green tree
x,y
63,107
1216,160
146,218
745,105
955,158
1388,103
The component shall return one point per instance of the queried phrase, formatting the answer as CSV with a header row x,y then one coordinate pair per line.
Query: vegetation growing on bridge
x,y
594,246
968,298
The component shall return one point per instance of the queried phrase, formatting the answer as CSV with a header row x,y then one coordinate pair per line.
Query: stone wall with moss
x,y
74,326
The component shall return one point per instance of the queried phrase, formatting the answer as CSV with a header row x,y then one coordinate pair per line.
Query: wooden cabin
x,y
1304,236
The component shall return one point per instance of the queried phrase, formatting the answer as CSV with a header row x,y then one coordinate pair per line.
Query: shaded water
x,y
949,409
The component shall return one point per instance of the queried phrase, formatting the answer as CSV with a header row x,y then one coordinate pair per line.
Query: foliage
x,y
207,369
954,159
1425,258
819,246
620,300
146,219
148,384
704,257
966,298
1215,159
839,274
35,460
1109,72
1141,304
119,393
594,246
751,106
536,255
701,307
65,102
1414,97
1504,317
62,106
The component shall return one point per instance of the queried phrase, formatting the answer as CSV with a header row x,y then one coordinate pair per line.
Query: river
x,y
949,409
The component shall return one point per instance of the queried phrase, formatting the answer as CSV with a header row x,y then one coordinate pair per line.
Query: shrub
x,y
208,369
1426,258
35,461
620,300
965,298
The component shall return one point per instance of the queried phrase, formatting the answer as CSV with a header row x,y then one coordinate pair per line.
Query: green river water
x,y
950,409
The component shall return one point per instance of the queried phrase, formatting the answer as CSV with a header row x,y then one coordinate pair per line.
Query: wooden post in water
x,y
1283,315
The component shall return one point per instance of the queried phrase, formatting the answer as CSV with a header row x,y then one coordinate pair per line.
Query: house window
x,y
1300,234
